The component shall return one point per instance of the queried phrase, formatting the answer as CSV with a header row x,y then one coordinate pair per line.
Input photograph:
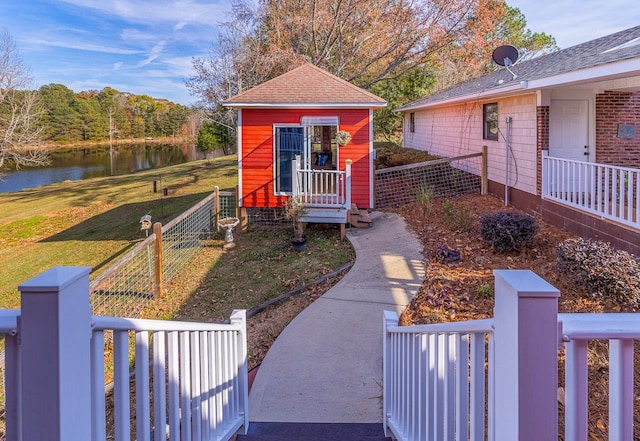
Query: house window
x,y
412,122
490,121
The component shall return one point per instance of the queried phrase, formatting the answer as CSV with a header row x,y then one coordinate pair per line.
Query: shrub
x,y
507,230
485,291
606,273
443,254
458,217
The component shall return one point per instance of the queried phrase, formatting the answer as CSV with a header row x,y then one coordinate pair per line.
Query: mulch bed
x,y
463,290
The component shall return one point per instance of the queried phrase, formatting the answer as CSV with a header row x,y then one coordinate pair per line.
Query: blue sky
x,y
138,46
146,46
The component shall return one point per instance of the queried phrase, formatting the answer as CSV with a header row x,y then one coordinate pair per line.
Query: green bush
x,y
507,231
458,217
606,273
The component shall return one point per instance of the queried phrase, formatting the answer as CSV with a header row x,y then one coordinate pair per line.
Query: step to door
x,y
314,432
359,218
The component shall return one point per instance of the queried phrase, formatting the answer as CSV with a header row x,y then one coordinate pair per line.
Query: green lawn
x,y
91,222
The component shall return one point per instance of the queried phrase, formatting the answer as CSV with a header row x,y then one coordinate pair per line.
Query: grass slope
x,y
91,222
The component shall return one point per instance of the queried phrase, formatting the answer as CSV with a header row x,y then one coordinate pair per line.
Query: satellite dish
x,y
505,55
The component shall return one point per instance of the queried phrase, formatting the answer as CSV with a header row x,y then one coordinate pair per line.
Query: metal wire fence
x,y
126,287
443,177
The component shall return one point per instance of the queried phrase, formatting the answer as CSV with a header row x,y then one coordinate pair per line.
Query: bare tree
x,y
230,67
20,111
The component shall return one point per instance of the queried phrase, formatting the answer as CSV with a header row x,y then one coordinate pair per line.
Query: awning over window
x,y
319,121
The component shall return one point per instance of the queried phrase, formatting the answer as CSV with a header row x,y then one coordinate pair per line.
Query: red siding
x,y
257,152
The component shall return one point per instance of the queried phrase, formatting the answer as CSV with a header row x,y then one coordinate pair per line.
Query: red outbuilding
x,y
307,134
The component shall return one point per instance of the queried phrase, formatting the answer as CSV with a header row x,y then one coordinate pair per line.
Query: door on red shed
x,y
289,143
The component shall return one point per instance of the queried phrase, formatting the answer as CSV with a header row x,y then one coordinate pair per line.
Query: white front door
x,y
569,139
569,129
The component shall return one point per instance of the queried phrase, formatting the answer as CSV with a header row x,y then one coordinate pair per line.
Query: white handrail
x,y
434,379
198,370
326,188
609,191
205,370
620,330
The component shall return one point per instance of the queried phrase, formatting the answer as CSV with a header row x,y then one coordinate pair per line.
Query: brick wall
x,y
542,143
612,109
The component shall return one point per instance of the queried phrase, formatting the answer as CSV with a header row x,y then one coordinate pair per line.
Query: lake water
x,y
90,162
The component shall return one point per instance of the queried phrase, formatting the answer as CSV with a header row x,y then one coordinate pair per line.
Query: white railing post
x,y
55,333
347,186
239,317
621,390
294,176
389,319
526,357
545,173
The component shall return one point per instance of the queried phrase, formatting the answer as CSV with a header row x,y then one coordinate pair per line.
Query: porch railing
x,y
437,379
619,331
434,375
190,380
322,188
608,191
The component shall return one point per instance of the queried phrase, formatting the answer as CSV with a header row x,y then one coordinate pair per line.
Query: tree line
x,y
93,115
399,50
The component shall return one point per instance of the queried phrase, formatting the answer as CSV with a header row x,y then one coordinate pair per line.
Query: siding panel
x,y
257,152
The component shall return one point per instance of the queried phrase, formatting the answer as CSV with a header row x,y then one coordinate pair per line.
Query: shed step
x,y
359,218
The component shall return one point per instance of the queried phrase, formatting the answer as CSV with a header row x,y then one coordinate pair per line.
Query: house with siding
x,y
561,131
288,145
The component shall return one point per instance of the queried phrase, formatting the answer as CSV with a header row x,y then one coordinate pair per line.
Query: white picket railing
x,y
190,380
430,393
434,379
620,331
605,190
198,372
322,188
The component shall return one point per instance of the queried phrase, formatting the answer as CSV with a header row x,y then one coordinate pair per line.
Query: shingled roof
x,y
306,86
613,56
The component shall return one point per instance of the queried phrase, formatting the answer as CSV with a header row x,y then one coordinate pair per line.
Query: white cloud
x,y
82,45
154,54
179,26
153,11
118,65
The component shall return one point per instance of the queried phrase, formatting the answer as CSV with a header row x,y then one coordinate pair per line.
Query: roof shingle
x,y
306,85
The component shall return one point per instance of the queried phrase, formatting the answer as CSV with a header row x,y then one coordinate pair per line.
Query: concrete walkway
x,y
326,366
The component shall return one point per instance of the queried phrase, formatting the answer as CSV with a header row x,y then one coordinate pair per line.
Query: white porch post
x,y
526,357
389,319
294,176
55,332
545,173
347,187
239,317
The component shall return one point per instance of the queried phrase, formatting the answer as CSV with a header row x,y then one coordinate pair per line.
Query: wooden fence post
x,y
526,357
157,270
216,207
241,212
55,333
484,180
